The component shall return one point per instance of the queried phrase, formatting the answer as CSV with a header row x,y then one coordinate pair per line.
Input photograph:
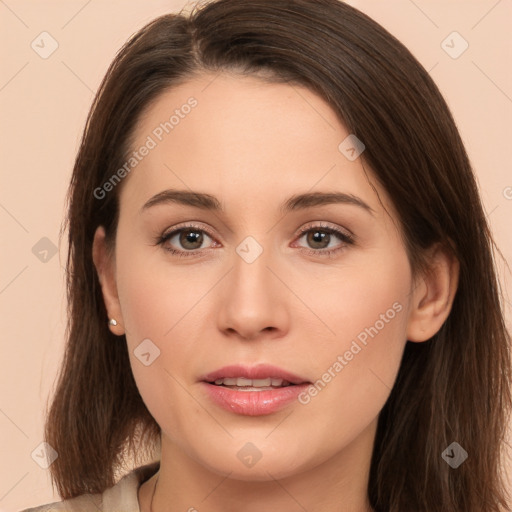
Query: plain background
x,y
44,102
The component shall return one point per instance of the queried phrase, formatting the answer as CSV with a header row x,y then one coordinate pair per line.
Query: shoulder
x,y
80,503
122,496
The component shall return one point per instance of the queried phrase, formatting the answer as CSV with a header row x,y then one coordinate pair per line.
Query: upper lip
x,y
260,371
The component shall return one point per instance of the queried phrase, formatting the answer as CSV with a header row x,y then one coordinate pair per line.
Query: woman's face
x,y
262,280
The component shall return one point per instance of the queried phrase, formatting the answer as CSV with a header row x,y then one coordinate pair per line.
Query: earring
x,y
112,321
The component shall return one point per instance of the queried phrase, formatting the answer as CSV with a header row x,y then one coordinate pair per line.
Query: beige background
x,y
44,103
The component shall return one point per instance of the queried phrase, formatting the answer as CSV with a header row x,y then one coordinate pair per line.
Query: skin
x,y
252,145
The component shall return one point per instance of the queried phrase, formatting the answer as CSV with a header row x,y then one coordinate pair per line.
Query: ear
x,y
433,295
104,262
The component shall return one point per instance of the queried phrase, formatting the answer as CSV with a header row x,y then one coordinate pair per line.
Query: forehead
x,y
241,111
241,137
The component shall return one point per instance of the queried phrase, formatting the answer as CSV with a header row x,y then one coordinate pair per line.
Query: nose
x,y
253,299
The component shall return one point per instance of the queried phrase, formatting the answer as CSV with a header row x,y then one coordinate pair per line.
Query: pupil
x,y
319,237
191,237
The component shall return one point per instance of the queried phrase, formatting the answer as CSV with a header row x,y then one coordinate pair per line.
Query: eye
x,y
189,239
319,237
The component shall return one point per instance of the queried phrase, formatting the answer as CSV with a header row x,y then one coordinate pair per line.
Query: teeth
x,y
255,383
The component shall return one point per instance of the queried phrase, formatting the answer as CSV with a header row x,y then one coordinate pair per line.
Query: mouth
x,y
258,377
254,390
243,384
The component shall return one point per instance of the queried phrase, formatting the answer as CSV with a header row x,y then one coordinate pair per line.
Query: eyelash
x,y
347,239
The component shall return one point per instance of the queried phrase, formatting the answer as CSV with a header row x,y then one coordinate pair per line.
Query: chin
x,y
269,464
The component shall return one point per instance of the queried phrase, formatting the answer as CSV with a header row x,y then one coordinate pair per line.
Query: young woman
x,y
281,284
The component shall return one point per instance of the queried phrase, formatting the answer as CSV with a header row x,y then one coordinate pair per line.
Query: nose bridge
x,y
252,300
253,256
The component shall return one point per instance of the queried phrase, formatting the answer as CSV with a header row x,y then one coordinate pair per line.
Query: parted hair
x,y
455,387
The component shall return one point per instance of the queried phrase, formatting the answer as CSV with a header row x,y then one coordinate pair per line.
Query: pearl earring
x,y
112,321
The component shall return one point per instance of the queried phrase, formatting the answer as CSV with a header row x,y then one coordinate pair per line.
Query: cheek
x,y
357,295
355,367
155,294
162,302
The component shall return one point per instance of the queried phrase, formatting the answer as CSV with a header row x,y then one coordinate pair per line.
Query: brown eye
x,y
186,241
190,239
318,239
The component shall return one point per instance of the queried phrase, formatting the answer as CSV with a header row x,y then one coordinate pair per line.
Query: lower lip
x,y
253,403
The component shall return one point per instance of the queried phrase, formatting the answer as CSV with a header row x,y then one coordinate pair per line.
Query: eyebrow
x,y
294,203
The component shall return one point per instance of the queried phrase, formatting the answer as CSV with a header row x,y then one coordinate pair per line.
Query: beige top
x,y
122,497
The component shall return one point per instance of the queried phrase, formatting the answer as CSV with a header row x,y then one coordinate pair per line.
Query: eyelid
x,y
186,225
301,231
328,227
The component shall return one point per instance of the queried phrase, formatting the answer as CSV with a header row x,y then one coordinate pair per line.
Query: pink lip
x,y
253,403
261,371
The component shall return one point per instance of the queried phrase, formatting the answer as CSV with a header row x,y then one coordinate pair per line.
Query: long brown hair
x,y
454,387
